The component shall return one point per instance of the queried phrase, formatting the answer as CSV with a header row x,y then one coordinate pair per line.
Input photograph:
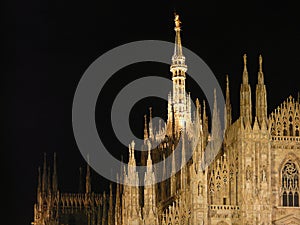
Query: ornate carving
x,y
290,184
285,121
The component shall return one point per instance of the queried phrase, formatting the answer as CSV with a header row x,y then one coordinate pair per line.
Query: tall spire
x,y
227,90
80,186
145,128
228,116
178,69
261,96
88,177
198,120
183,171
150,124
54,177
149,192
183,152
173,173
260,72
164,174
215,126
245,97
205,123
260,63
245,72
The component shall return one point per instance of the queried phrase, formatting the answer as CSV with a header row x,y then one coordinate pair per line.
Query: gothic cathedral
x,y
254,178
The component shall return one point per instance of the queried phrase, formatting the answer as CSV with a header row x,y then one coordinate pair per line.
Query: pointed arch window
x,y
290,185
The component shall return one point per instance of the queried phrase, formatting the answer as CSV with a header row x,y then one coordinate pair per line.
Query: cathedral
x,y
253,178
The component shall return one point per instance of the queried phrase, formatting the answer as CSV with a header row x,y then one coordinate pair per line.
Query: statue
x,y
245,59
200,189
260,63
248,173
177,21
264,178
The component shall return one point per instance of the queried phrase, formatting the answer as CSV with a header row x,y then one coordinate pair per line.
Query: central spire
x,y
178,69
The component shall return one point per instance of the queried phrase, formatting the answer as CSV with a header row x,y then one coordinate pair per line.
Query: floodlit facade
x,y
254,178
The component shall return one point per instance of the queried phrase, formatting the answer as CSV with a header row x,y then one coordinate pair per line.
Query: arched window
x,y
291,129
296,199
284,199
290,185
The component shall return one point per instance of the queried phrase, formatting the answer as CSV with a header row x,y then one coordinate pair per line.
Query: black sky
x,y
50,44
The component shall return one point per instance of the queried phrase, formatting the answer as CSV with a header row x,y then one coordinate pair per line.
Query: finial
x,y
245,73
177,22
227,80
129,148
204,107
260,63
215,95
245,60
150,124
197,103
110,189
132,146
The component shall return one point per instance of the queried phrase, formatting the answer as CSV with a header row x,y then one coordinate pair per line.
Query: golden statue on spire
x,y
177,21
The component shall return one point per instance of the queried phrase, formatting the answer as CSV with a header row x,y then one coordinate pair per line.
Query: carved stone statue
x,y
177,21
264,178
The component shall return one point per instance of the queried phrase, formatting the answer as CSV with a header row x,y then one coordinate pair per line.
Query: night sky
x,y
50,44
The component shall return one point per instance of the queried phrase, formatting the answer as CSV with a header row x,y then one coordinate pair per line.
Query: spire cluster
x,y
227,171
